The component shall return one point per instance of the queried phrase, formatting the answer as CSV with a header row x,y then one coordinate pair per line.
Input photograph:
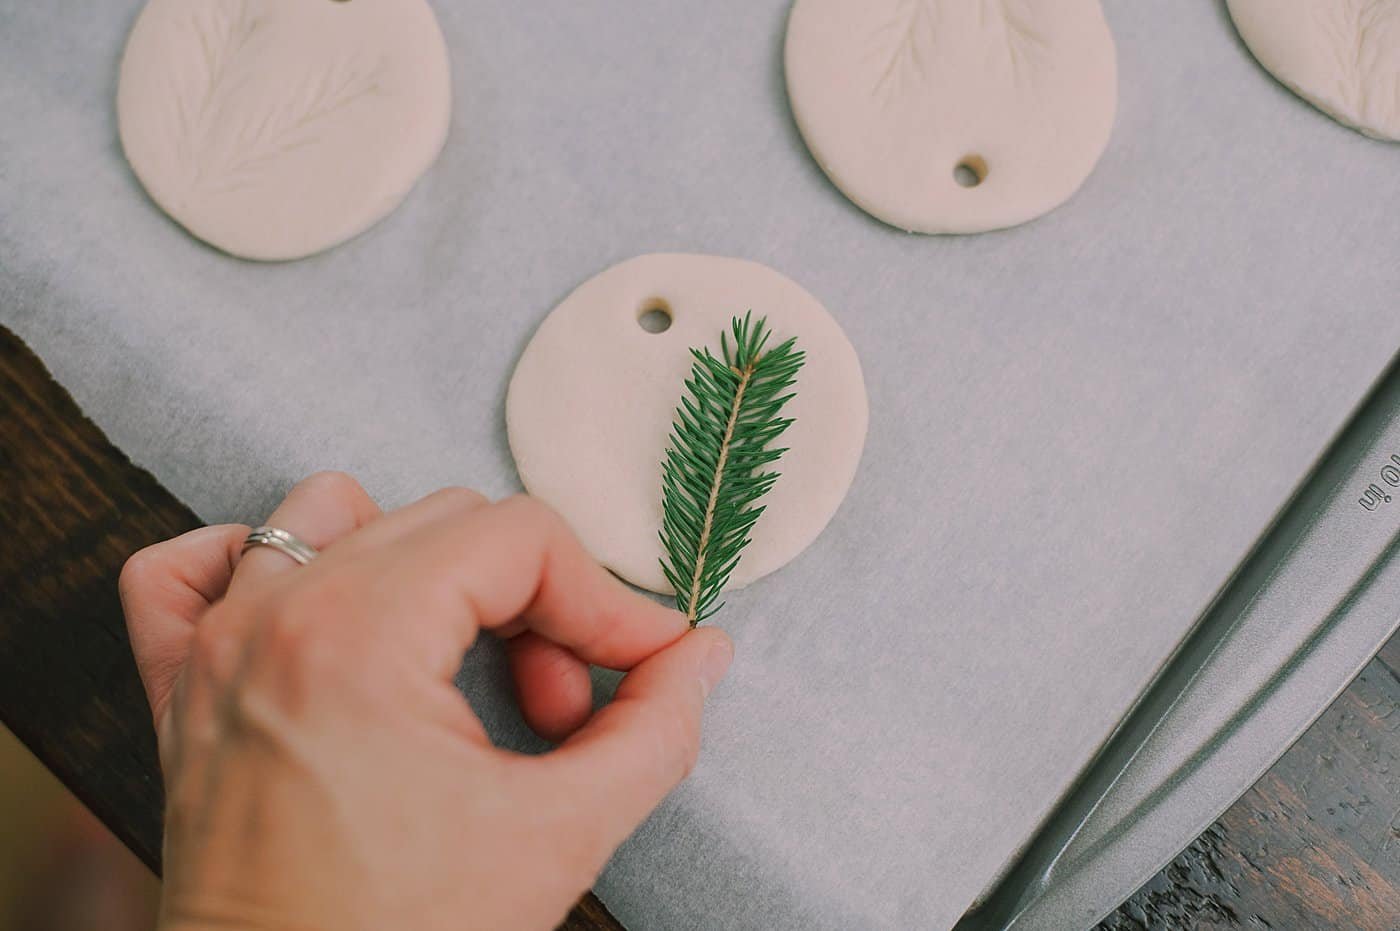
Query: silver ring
x,y
283,542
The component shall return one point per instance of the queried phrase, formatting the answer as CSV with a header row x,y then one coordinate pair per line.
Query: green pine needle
x,y
715,468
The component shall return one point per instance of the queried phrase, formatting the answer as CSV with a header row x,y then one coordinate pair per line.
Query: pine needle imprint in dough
x,y
953,116
1374,27
275,129
914,21
915,31
1346,25
296,123
223,32
1022,42
1342,56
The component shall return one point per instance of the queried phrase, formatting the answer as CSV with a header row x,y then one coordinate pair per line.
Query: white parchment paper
x,y
1077,426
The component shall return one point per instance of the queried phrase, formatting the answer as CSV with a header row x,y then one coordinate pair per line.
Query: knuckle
x,y
308,660
142,568
458,496
215,650
331,484
286,621
299,637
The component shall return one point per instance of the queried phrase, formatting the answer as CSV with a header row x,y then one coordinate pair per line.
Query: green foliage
x,y
717,462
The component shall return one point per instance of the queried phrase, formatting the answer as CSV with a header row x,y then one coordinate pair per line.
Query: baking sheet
x,y
1078,427
1304,613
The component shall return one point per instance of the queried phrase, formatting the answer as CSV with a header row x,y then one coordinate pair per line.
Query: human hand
x,y
322,771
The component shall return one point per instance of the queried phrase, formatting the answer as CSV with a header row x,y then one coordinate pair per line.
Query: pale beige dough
x,y
592,400
274,129
893,96
1342,56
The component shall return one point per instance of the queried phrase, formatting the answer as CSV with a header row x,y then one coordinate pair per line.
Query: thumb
x,y
633,752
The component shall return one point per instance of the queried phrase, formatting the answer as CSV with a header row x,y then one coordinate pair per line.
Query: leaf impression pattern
x,y
225,142
1364,40
908,42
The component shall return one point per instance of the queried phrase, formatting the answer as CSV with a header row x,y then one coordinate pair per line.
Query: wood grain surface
x,y
1314,845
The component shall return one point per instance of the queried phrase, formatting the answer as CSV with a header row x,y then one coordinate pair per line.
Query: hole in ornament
x,y
971,171
655,316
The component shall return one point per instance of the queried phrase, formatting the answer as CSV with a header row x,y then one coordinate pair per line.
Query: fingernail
x,y
716,665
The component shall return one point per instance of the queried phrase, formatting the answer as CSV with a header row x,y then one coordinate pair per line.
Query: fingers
x,y
320,510
507,567
633,752
552,685
446,503
164,590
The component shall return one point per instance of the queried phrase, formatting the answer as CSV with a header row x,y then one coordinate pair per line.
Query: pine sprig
x,y
716,462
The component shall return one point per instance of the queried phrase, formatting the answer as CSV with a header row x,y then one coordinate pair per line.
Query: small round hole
x,y
971,171
655,316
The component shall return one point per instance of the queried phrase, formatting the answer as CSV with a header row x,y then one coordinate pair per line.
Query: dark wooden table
x,y
1316,844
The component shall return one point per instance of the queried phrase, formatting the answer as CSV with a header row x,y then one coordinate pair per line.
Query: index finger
x,y
511,566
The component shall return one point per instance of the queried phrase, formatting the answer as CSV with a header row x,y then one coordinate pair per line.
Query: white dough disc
x,y
592,400
274,129
1342,56
953,116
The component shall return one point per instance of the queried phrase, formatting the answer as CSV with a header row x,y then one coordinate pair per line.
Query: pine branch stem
x,y
692,614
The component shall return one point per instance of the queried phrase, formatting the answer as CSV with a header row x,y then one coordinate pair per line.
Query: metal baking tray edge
x,y
1316,598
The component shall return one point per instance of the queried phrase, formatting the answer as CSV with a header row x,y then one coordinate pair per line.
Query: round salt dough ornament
x,y
591,404
953,116
274,129
1342,56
